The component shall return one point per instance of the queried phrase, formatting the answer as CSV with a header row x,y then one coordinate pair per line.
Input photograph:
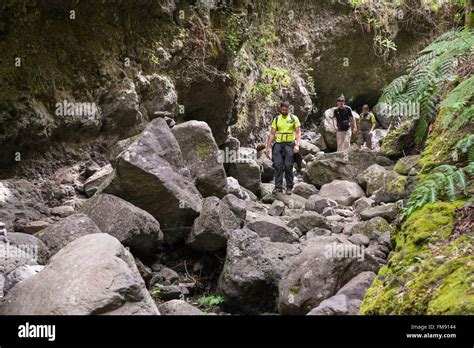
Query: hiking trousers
x,y
343,140
283,161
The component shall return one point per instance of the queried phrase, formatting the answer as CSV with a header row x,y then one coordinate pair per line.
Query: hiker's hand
x,y
267,152
296,149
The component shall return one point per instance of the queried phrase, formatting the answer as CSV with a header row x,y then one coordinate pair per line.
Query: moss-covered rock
x,y
429,272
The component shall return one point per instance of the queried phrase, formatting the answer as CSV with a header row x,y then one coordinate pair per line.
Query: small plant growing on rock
x,y
210,302
156,290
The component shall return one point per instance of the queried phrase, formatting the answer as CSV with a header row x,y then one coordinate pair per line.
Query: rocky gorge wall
x,y
227,66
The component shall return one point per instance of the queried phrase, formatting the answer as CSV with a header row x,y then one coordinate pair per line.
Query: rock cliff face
x,y
94,73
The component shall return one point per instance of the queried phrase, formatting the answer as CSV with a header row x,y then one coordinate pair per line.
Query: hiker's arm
x,y
334,122
298,139
271,136
354,122
373,127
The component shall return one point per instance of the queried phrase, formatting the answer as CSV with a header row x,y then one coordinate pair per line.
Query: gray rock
x,y
339,166
388,212
341,191
251,272
157,93
234,188
2,283
359,239
132,226
247,172
20,274
363,203
33,227
337,305
273,228
93,182
385,240
319,271
20,199
304,190
164,276
62,211
292,201
202,157
383,185
276,208
94,274
237,205
121,109
151,175
357,286
179,307
211,228
318,204
408,165
372,228
31,243
172,292
317,231
266,166
309,220
307,148
57,236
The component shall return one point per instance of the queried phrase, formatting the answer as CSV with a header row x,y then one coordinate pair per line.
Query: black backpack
x,y
344,123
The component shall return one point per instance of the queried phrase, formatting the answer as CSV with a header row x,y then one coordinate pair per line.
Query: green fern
x,y
426,77
466,146
446,181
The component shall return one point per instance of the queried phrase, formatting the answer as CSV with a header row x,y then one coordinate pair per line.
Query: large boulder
x,y
266,166
251,272
132,226
273,228
210,230
202,157
342,192
94,274
340,166
383,185
245,169
57,236
319,271
151,174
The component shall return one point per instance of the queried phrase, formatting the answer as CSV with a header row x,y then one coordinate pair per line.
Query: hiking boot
x,y
275,191
289,191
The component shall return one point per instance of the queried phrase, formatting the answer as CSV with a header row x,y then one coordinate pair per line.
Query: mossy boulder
x,y
430,271
407,165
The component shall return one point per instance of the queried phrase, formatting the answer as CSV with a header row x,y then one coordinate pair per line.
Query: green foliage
x,y
446,181
272,80
234,34
425,82
156,290
210,302
466,146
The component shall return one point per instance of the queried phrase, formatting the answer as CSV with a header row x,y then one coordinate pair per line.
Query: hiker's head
x,y
284,108
340,101
365,109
